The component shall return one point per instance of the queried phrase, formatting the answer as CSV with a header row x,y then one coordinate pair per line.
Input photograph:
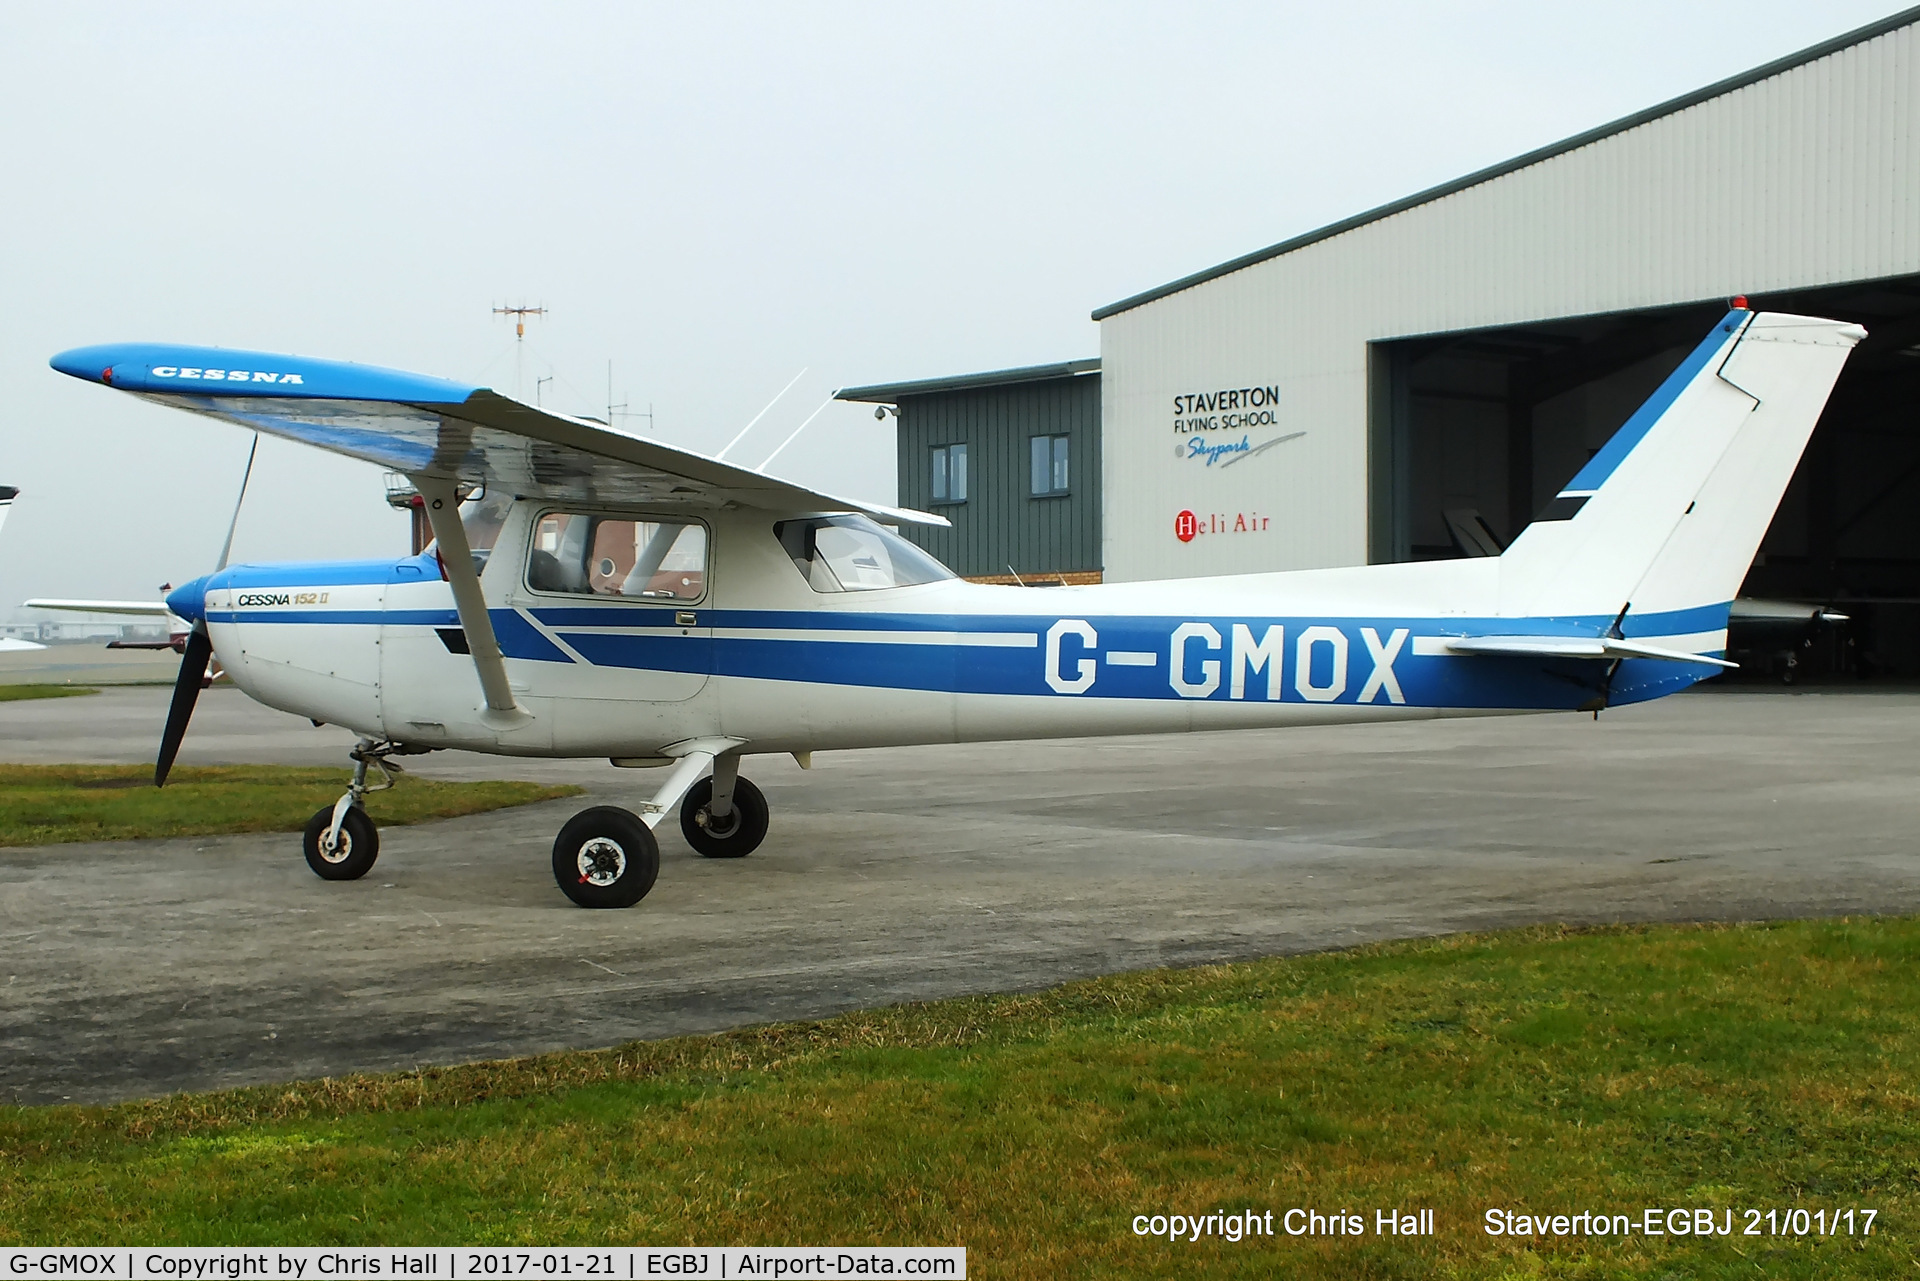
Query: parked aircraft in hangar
x,y
601,595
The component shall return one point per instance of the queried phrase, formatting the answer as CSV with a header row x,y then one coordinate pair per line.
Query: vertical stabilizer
x,y
1668,515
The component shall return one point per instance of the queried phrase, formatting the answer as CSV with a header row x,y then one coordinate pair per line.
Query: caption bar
x,y
309,1263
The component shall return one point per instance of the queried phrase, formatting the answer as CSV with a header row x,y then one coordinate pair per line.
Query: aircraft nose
x,y
189,600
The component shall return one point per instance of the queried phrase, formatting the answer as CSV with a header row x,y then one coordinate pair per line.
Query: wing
x,y
418,425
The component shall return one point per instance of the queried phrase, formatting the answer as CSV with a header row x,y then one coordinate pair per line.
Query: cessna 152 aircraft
x,y
605,595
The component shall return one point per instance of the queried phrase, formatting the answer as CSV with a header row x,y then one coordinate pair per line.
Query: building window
x,y
1049,466
950,473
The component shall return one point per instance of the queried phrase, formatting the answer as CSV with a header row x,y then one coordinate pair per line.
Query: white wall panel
x,y
1810,177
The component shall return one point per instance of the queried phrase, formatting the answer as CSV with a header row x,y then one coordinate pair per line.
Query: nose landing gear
x,y
341,841
344,852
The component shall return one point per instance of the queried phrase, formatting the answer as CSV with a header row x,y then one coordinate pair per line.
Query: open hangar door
x,y
1473,432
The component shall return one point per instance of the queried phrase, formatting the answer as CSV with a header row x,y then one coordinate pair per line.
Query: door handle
x,y
684,618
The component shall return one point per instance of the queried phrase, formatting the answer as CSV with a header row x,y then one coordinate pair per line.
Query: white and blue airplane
x,y
593,594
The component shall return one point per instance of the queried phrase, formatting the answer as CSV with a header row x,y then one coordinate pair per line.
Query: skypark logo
x,y
1201,663
224,375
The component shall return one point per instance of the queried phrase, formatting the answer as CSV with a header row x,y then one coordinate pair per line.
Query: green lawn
x,y
1771,1066
49,804
17,693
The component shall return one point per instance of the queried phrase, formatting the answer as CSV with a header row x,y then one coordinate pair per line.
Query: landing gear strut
x,y
341,841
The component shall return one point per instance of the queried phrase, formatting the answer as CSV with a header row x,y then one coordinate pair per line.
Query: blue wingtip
x,y
169,369
91,363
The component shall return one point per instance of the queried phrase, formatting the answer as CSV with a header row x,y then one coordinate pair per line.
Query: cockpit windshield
x,y
481,515
853,554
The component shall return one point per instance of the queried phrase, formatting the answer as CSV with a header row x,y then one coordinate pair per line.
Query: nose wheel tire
x,y
605,857
351,856
737,835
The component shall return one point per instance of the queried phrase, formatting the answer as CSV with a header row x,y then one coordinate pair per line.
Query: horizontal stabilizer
x,y
1591,647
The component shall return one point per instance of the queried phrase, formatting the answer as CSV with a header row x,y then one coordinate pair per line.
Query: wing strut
x,y
443,513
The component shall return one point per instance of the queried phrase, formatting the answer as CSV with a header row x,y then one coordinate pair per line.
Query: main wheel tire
x,y
351,857
605,857
739,836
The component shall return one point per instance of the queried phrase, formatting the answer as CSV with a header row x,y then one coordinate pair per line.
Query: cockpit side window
x,y
852,554
580,554
483,514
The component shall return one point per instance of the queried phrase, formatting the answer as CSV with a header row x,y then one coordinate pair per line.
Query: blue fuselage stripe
x,y
1288,659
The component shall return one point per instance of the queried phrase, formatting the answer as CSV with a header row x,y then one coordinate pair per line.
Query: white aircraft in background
x,y
8,644
618,597
177,627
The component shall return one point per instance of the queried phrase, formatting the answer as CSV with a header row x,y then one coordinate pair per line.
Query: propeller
x,y
186,692
197,653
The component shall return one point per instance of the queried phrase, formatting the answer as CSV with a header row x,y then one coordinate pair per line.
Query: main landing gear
x,y
724,816
607,856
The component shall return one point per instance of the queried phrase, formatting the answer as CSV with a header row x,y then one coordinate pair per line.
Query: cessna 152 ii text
x,y
601,595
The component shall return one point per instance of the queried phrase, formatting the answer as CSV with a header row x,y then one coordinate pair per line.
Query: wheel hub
x,y
602,861
719,827
338,850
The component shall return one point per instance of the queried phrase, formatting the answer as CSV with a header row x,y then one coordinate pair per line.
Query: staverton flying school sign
x,y
1217,428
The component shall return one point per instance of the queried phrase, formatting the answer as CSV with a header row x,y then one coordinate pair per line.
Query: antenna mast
x,y
623,409
519,315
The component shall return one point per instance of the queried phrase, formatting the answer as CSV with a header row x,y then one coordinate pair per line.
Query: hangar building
x,y
1329,400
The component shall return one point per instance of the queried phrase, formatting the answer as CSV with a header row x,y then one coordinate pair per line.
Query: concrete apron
x,y
143,967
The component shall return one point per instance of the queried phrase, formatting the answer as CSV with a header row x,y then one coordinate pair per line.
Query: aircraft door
x,y
620,601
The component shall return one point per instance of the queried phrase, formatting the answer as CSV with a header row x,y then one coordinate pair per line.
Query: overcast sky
x,y
714,197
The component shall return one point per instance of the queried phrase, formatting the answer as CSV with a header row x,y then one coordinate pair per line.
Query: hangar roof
x,y
890,393
1745,78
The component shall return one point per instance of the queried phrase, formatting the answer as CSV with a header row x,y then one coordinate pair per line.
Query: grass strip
x,y
53,804
20,693
1543,1070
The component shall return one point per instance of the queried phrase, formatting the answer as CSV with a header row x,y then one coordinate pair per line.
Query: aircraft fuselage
x,y
763,657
